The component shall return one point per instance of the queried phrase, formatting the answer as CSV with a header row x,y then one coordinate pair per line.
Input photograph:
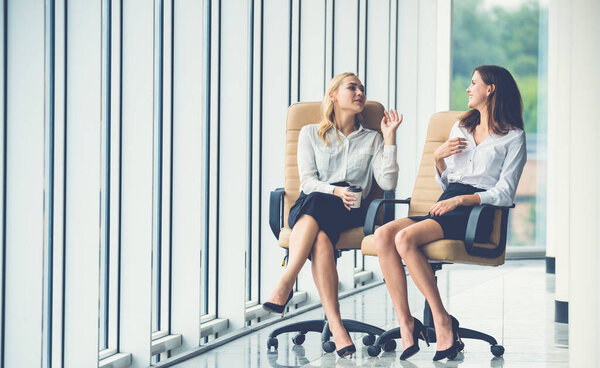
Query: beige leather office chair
x,y
425,194
282,199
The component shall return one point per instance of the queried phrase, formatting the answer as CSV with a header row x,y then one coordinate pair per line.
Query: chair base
x,y
465,333
322,326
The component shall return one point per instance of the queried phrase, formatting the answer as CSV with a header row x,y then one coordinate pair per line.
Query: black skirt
x,y
329,212
454,223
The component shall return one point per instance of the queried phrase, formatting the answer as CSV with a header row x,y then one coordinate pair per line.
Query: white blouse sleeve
x,y
441,180
307,167
503,193
385,165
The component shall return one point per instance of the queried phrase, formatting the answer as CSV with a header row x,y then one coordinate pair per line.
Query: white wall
x,y
584,237
559,131
573,215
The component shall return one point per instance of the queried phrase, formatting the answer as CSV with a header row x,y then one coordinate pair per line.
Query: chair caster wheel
x,y
497,350
272,342
374,350
329,346
298,339
461,346
368,340
389,346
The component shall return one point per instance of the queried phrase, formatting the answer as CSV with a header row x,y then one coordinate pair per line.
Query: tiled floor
x,y
514,303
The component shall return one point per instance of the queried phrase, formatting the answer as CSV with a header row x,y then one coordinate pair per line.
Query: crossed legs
x,y
306,238
400,240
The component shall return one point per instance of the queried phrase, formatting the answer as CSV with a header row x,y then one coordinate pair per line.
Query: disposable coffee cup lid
x,y
354,188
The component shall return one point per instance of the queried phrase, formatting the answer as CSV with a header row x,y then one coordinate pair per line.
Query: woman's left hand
x,y
444,206
389,124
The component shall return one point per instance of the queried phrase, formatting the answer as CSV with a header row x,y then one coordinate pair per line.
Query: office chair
x,y
282,199
444,251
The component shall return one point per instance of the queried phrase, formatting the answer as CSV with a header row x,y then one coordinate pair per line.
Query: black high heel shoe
x,y
452,351
347,350
276,308
418,332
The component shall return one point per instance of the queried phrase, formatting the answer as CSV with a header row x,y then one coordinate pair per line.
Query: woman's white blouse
x,y
495,165
361,156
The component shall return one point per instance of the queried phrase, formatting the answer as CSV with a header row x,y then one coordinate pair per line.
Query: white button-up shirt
x,y
495,165
361,156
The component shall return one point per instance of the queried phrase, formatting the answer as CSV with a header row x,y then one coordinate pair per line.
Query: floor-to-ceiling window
x,y
512,34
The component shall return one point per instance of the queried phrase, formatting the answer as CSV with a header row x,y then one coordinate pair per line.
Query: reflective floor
x,y
514,303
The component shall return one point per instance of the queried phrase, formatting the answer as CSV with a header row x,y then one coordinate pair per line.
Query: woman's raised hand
x,y
451,147
389,123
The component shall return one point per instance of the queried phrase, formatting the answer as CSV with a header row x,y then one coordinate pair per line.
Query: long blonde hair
x,y
327,111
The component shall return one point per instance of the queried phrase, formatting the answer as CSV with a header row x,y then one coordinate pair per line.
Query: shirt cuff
x,y
389,150
486,197
330,189
443,177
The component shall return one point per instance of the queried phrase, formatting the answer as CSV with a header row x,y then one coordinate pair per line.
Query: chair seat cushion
x,y
349,239
443,250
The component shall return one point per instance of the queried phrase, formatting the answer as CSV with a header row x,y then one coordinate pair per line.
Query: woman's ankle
x,y
405,320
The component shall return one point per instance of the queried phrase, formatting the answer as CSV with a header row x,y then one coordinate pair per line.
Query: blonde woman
x,y
333,155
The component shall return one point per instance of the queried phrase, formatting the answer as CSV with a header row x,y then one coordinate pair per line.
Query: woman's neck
x,y
483,120
344,121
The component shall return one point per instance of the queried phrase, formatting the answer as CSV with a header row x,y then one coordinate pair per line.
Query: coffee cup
x,y
357,191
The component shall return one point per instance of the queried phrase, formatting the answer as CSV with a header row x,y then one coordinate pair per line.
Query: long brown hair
x,y
504,104
327,111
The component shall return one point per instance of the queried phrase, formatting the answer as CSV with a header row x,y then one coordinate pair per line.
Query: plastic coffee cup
x,y
357,191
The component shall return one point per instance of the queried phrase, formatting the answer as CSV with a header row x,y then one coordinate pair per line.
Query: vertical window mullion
x,y
157,167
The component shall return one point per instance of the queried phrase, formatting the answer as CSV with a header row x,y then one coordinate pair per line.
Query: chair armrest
x,y
276,211
369,227
472,225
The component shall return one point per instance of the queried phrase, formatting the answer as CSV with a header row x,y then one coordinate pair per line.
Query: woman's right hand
x,y
451,147
347,197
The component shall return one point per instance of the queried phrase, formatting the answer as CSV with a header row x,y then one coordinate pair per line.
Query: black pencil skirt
x,y
454,223
329,212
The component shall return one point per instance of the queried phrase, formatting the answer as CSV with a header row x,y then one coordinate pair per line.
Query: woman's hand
x,y
347,197
389,123
444,206
451,147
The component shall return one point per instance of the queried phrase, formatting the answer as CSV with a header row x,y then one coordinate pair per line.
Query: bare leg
x,y
326,279
301,242
408,242
393,273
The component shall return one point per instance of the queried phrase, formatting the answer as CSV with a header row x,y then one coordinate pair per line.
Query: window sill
x,y
213,326
165,343
362,276
117,360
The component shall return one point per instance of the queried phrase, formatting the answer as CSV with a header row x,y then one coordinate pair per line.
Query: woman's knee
x,y
322,246
405,241
384,238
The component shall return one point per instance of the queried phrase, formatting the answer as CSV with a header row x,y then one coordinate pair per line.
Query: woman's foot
x,y
341,339
443,333
279,296
442,351
418,332
406,332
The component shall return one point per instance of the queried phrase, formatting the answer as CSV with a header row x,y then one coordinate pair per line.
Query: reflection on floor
x,y
514,303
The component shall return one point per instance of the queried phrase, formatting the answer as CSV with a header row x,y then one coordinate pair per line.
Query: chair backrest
x,y
426,191
304,113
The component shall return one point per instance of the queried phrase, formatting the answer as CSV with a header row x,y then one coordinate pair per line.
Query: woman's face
x,y
350,95
478,92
